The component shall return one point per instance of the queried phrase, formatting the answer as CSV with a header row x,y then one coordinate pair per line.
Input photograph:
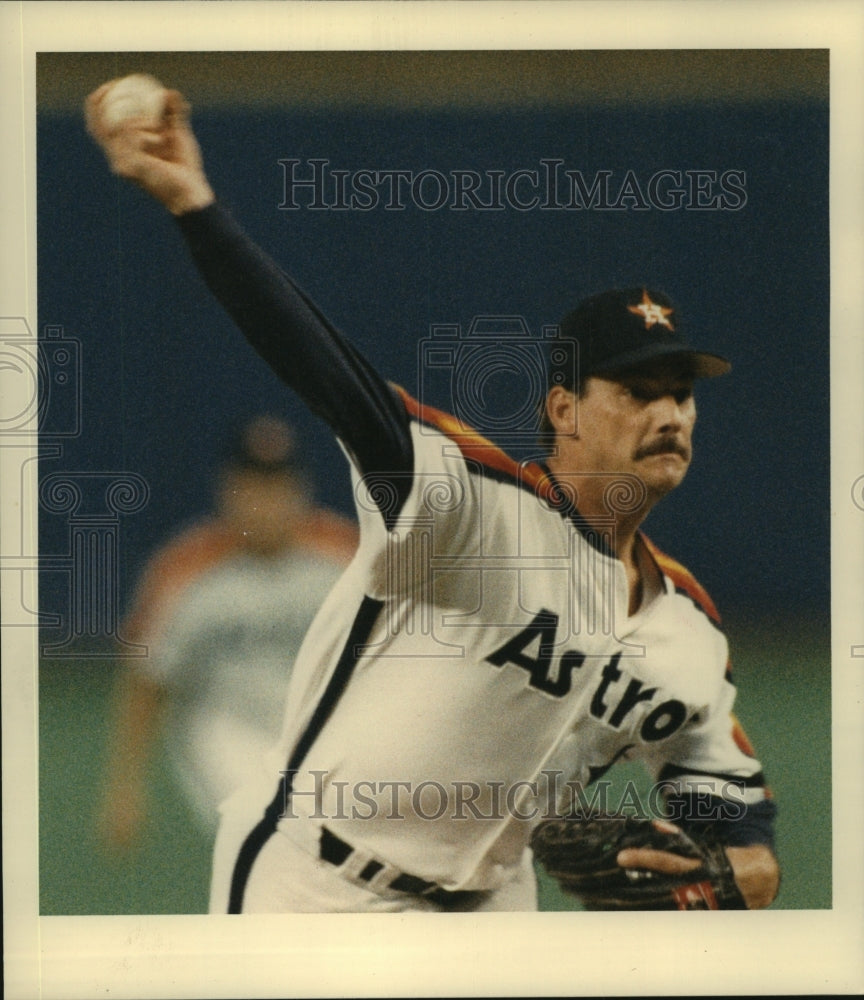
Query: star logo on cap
x,y
652,312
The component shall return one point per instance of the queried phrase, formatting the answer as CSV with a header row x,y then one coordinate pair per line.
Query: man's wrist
x,y
192,200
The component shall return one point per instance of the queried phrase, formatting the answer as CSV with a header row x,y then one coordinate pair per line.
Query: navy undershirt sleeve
x,y
301,346
735,824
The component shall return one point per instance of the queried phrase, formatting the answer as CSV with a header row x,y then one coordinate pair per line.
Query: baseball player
x,y
223,607
506,631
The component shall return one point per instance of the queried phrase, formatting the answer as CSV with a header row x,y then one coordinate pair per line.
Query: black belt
x,y
335,851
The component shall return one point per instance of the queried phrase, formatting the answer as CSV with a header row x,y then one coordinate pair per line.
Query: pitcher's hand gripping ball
x,y
136,96
580,854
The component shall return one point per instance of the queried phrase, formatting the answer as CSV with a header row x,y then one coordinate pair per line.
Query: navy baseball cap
x,y
623,329
264,444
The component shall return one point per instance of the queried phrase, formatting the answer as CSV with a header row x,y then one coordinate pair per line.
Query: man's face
x,y
265,509
640,423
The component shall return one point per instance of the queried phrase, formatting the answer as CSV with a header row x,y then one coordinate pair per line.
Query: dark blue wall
x,y
165,375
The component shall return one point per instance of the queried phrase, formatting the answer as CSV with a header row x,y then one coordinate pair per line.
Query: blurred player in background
x,y
223,607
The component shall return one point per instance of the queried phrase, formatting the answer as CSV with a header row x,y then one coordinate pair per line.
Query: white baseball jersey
x,y
476,665
225,654
477,657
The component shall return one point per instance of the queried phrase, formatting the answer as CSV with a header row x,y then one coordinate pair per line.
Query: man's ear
x,y
562,410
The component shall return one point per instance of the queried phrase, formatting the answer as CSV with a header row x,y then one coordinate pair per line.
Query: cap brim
x,y
700,364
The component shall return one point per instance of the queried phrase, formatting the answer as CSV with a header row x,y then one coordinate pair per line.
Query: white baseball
x,y
136,96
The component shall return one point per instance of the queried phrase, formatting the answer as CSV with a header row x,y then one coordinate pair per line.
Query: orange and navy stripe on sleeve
x,y
683,580
480,450
489,460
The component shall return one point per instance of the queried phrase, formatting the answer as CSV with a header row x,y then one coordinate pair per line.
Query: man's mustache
x,y
663,446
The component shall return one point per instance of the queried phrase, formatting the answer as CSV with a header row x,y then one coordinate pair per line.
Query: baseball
x,y
135,96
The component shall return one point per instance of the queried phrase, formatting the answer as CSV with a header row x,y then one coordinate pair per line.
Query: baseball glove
x,y
580,855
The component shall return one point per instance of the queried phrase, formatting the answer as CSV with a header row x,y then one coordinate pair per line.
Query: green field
x,y
784,682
